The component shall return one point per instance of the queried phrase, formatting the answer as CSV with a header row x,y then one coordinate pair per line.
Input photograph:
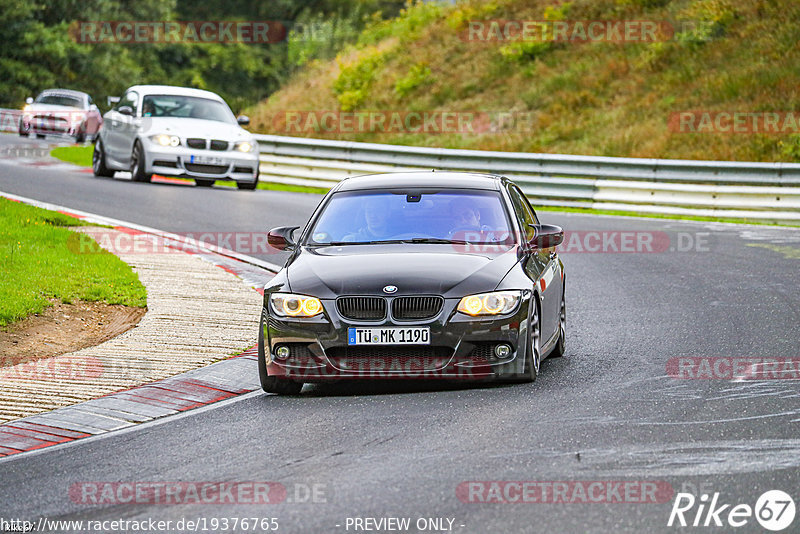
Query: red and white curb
x,y
200,387
214,383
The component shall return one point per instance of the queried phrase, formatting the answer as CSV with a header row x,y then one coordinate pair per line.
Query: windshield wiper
x,y
376,242
435,240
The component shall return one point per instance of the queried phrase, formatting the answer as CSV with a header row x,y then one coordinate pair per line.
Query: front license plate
x,y
207,160
389,336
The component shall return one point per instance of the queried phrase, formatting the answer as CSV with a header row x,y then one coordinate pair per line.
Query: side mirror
x,y
281,237
126,110
243,120
546,236
29,100
111,100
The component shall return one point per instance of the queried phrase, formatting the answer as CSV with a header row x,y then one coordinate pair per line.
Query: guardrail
x,y
751,190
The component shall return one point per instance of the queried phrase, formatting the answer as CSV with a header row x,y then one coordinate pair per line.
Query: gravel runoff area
x,y
197,313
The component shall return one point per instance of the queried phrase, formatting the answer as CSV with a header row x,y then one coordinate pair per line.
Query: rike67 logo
x,y
774,510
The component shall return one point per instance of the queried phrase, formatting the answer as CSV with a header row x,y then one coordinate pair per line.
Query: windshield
x,y
60,100
190,107
443,216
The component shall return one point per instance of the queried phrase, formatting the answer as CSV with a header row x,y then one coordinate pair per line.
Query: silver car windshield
x,y
190,107
443,216
59,100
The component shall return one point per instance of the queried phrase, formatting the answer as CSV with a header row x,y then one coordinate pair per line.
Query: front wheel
x,y
560,348
533,357
138,162
273,384
23,132
248,186
99,161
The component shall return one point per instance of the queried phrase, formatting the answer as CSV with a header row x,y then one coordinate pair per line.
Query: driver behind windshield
x,y
376,217
466,216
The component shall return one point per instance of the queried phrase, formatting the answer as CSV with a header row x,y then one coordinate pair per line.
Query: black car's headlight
x,y
291,305
494,303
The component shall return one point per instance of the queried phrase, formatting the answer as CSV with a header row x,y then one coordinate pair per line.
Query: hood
x,y
202,128
329,272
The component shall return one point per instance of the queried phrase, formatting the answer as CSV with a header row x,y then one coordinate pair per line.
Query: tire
x,y
80,136
560,348
248,186
138,163
22,131
203,183
40,136
99,162
531,371
273,384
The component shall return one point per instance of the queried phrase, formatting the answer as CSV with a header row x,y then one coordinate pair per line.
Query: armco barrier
x,y
759,191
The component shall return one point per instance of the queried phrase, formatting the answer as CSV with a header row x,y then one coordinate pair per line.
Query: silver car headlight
x,y
291,305
166,139
246,146
494,303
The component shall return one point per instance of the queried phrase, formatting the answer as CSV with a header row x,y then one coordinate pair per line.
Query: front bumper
x,y
177,161
48,125
461,347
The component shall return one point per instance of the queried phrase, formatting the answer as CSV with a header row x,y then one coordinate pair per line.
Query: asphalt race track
x,y
609,411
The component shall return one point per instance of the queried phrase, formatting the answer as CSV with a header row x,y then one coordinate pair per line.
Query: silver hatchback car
x,y
176,131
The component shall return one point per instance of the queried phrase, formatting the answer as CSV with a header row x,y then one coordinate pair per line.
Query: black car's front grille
x,y
408,308
218,145
389,358
362,308
206,169
195,143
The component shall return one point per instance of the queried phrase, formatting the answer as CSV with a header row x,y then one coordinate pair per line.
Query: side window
x,y
523,211
528,204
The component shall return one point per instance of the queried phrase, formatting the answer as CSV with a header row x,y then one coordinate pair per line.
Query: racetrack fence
x,y
750,190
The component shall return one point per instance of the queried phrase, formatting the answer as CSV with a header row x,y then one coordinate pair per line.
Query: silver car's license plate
x,y
389,336
207,160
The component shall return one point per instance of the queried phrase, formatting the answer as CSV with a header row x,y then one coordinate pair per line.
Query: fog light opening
x,y
282,352
502,351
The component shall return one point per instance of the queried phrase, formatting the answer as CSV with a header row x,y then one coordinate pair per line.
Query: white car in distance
x,y
176,131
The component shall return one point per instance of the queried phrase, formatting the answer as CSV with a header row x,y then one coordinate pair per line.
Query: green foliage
x,y
40,49
352,85
705,20
406,27
39,261
418,75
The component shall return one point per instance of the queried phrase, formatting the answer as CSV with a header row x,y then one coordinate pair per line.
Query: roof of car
x,y
173,90
460,180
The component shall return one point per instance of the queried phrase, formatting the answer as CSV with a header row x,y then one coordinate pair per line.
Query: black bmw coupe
x,y
414,275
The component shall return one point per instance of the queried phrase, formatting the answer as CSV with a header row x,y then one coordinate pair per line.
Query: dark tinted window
x,y
59,100
522,208
468,215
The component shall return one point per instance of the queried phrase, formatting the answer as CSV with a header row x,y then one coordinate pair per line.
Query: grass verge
x,y
79,155
37,265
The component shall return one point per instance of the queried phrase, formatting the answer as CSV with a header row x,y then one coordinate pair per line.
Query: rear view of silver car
x,y
176,131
